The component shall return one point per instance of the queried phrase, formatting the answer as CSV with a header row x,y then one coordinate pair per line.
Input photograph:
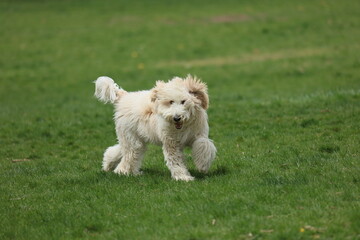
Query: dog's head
x,y
179,100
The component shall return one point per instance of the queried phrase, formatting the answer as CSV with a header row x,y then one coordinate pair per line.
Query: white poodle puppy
x,y
172,114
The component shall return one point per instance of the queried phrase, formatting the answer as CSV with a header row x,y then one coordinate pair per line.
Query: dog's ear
x,y
155,90
198,89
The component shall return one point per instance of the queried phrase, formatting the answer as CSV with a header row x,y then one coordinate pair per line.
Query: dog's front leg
x,y
204,152
175,161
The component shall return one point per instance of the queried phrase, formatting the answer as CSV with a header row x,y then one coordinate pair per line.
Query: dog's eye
x,y
183,101
171,102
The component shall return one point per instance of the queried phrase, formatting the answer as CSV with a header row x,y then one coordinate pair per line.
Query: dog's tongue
x,y
178,125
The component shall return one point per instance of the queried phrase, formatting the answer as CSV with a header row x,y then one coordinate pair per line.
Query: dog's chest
x,y
184,136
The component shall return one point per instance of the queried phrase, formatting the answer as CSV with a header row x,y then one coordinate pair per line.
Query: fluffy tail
x,y
106,90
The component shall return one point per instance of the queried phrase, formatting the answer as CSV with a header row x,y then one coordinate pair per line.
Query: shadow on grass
x,y
158,174
164,173
219,171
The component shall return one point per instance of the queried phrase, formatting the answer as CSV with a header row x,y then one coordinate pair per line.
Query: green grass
x,y
284,86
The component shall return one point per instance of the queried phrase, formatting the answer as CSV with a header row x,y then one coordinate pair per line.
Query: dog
x,y
171,114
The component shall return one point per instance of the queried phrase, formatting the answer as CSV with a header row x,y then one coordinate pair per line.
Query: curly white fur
x,y
172,114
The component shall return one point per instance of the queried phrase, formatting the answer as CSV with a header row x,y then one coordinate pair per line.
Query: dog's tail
x,y
106,90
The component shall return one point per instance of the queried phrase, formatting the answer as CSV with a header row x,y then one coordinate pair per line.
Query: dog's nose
x,y
177,118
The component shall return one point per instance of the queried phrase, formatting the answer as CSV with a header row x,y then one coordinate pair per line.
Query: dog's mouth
x,y
178,125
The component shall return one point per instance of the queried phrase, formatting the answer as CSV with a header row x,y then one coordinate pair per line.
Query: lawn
x,y
284,85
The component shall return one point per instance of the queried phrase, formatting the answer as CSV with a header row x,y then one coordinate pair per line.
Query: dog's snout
x,y
177,118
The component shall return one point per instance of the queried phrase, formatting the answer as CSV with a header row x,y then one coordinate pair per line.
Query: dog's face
x,y
178,100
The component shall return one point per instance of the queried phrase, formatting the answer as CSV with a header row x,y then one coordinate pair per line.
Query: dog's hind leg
x,y
203,152
112,157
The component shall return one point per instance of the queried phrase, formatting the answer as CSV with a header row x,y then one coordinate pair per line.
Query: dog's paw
x,y
186,178
105,168
108,167
120,172
122,169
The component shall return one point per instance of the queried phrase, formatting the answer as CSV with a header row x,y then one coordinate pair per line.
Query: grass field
x,y
284,87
